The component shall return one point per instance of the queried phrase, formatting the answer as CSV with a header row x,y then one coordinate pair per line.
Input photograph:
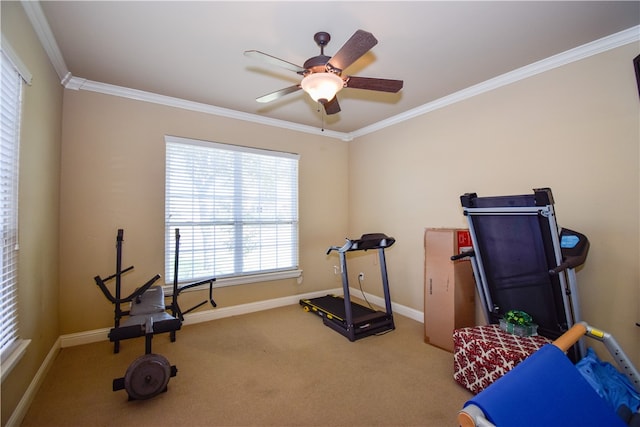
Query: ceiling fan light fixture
x,y
322,87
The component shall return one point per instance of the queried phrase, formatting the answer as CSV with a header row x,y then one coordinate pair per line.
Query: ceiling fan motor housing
x,y
317,64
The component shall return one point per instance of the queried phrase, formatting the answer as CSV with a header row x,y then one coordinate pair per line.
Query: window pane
x,y
10,86
236,208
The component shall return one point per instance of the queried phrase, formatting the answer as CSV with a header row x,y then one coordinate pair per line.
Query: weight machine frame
x,y
149,374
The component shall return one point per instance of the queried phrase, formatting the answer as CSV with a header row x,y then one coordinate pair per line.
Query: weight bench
x,y
148,306
147,317
149,374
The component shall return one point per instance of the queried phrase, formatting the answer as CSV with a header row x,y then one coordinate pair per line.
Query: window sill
x,y
12,359
243,280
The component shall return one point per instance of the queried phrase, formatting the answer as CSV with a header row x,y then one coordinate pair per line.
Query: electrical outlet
x,y
361,276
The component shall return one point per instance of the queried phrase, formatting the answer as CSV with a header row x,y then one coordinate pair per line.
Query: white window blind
x,y
236,208
11,87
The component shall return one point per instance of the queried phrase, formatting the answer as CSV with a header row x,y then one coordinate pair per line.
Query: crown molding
x,y
16,61
598,46
39,22
42,29
77,83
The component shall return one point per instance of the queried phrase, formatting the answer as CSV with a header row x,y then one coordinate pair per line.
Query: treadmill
x,y
522,260
346,317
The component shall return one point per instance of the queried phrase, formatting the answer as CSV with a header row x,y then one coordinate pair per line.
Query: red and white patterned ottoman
x,y
482,354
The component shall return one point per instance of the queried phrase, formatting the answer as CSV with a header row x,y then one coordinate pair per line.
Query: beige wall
x,y
575,129
113,177
38,205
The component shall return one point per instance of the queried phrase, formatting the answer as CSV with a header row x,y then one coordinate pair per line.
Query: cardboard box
x,y
449,287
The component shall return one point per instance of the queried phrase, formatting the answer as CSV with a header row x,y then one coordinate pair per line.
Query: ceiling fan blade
x,y
332,107
382,85
359,44
274,61
277,94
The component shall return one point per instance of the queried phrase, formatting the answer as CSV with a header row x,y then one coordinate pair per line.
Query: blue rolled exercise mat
x,y
547,390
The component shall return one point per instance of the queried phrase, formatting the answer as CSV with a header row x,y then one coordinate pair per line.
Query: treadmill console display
x,y
574,247
573,243
569,241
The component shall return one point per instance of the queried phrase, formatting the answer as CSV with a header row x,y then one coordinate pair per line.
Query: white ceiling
x,y
194,50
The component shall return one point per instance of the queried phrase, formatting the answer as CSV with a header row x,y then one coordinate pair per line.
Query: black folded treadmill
x,y
522,260
350,319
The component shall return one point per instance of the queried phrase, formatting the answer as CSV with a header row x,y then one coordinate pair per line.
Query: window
x,y
236,208
11,347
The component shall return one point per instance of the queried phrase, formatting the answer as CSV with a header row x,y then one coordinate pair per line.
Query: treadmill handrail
x,y
466,254
366,242
533,210
344,248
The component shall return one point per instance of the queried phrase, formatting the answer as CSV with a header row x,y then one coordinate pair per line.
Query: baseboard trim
x,y
87,337
23,406
409,312
97,335
237,310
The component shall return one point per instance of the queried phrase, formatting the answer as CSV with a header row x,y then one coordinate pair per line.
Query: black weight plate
x,y
147,376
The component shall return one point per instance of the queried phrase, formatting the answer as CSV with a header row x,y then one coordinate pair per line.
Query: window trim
x,y
14,354
239,279
17,349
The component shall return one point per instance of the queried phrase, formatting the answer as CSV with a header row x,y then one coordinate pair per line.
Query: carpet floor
x,y
279,367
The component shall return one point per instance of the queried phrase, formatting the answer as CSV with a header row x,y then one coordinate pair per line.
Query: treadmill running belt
x,y
333,307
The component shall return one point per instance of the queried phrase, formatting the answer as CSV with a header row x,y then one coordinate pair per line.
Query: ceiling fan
x,y
322,75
